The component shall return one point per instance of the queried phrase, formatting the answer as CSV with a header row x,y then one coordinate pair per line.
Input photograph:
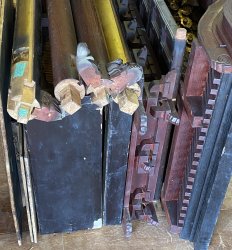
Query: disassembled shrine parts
x,y
175,87
148,147
118,83
210,58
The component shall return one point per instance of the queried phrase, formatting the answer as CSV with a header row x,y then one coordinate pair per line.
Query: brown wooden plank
x,y
178,158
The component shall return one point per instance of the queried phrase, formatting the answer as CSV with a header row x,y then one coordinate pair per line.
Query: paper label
x,y
19,69
22,112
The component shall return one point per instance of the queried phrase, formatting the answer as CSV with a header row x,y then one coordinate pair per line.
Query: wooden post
x,y
92,39
22,93
63,48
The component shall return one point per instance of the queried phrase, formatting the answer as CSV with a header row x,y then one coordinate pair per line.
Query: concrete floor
x,y
110,237
144,236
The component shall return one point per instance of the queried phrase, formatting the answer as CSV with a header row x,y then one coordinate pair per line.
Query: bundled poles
x,y
106,81
22,93
63,49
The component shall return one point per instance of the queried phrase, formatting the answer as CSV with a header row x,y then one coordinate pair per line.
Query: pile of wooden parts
x,y
114,106
209,65
197,102
149,139
118,82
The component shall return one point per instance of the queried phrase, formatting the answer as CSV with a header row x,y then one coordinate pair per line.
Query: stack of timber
x,y
108,119
51,160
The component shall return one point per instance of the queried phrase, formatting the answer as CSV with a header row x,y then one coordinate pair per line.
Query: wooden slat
x,y
12,197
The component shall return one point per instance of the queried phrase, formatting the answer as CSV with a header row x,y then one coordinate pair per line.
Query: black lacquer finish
x,y
66,166
117,139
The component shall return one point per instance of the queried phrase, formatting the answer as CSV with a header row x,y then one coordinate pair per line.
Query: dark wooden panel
x,y
215,196
221,111
117,139
178,158
66,165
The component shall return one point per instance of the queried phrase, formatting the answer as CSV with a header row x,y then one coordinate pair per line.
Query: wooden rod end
x,y
69,93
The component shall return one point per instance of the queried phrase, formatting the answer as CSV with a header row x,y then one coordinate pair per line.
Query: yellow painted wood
x,y
114,40
22,100
31,38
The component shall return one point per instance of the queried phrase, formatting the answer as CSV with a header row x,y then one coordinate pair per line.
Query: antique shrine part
x,y
146,149
118,127
218,110
190,105
57,175
67,89
22,98
161,29
105,81
210,58
219,68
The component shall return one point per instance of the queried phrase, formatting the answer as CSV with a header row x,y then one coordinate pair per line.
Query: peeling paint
x,y
97,223
101,110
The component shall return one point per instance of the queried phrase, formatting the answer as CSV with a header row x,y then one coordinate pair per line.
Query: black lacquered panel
x,y
66,165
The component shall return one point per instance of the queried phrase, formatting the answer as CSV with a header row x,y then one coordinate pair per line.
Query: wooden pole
x,y
63,48
92,40
127,98
22,92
